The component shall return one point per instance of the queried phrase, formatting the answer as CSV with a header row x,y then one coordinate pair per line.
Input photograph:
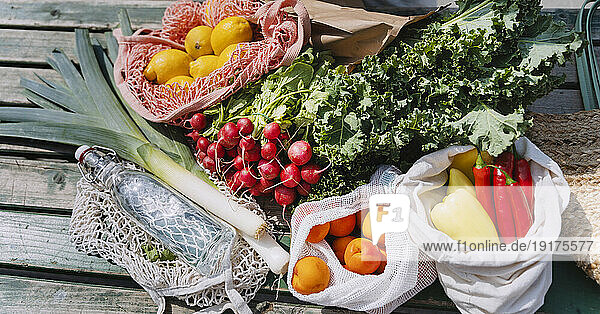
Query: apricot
x,y
383,263
362,256
318,233
311,275
366,231
343,226
339,247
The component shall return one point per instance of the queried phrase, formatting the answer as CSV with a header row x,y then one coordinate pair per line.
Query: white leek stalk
x,y
274,255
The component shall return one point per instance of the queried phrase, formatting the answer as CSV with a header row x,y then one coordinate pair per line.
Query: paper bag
x,y
351,32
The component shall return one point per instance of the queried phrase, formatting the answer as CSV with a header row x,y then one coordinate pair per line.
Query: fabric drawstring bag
x,y
278,40
484,282
407,272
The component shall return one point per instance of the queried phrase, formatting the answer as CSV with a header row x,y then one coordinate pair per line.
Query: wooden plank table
x,y
41,271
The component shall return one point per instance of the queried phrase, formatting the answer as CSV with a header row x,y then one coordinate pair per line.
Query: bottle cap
x,y
80,152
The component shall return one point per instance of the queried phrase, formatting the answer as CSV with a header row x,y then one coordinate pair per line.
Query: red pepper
x,y
503,205
507,160
520,209
483,187
523,176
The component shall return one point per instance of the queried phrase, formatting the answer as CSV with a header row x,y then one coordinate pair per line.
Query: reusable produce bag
x,y
483,282
278,40
407,272
100,227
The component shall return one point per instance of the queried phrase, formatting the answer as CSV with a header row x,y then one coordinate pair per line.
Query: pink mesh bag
x,y
278,39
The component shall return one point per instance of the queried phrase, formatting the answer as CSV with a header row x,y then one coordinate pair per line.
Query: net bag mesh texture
x,y
407,272
278,39
100,227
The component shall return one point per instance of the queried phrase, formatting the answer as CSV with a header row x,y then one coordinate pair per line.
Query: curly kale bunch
x,y
467,77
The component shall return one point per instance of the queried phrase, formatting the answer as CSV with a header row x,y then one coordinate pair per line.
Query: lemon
x,y
226,54
181,80
202,66
197,41
167,64
231,30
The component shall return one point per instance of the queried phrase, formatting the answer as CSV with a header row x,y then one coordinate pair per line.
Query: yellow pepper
x,y
458,180
465,162
462,217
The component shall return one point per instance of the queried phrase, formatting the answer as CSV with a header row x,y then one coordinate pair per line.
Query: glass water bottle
x,y
189,231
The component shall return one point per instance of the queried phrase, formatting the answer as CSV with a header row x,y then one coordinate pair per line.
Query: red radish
x,y
311,173
209,164
272,130
235,183
202,144
200,156
268,151
300,152
284,136
231,153
290,175
194,135
247,177
229,176
245,126
229,135
247,143
198,122
284,196
303,188
269,169
238,162
215,150
265,185
255,191
250,155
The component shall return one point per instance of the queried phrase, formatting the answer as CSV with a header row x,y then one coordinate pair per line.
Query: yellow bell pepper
x,y
462,217
457,180
465,162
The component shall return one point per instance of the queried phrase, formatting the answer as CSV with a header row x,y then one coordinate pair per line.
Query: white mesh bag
x,y
99,227
485,282
407,271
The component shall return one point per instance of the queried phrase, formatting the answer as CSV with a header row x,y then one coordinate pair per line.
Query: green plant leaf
x,y
12,114
549,41
490,130
74,134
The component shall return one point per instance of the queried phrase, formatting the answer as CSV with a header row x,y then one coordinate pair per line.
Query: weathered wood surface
x,y
32,47
35,183
66,15
23,295
11,92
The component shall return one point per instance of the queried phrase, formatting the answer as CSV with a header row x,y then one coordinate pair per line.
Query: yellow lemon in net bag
x,y
181,80
197,41
227,52
231,30
167,64
202,66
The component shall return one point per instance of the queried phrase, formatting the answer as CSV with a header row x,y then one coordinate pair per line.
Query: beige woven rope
x,y
573,141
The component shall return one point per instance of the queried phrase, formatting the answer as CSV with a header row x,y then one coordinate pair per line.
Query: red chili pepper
x,y
520,209
507,160
503,205
483,187
523,176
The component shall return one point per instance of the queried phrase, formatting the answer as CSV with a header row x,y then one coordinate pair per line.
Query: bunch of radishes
x,y
246,165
